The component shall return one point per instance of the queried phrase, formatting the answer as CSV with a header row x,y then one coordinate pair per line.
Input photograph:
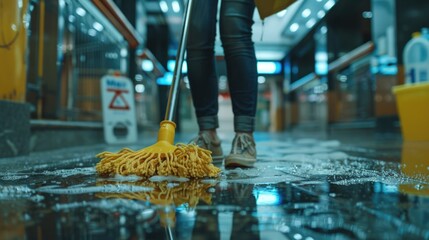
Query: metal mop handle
x,y
174,90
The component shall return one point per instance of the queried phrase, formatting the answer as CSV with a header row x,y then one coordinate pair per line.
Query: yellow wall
x,y
13,41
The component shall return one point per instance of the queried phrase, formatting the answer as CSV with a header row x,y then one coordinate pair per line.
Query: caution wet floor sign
x,y
119,115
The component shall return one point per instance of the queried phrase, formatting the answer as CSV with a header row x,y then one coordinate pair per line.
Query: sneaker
x,y
204,140
243,151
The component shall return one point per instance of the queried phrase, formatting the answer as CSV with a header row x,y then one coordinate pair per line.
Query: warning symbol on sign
x,y
118,101
119,111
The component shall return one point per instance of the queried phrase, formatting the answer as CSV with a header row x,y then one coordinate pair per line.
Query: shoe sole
x,y
217,159
238,161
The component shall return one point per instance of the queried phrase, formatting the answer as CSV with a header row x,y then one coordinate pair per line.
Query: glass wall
x,y
73,45
328,78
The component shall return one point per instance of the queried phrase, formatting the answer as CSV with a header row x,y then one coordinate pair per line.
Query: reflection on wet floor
x,y
301,188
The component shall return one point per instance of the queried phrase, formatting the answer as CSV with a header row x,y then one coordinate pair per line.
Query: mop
x,y
163,158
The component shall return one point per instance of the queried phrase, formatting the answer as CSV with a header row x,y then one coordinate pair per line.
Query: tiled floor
x,y
304,186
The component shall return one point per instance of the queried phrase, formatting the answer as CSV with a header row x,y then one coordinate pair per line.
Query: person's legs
x,y
202,73
236,35
201,62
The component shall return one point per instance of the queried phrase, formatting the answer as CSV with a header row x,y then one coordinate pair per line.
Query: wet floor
x,y
302,187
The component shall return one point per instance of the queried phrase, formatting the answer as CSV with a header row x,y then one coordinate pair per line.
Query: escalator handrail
x,y
112,12
346,60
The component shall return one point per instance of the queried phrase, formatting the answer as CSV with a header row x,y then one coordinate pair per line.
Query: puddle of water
x,y
303,189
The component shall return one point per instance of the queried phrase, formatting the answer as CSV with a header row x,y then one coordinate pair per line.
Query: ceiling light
x,y
329,4
92,32
163,5
176,6
294,27
320,14
306,13
72,18
310,23
80,11
97,26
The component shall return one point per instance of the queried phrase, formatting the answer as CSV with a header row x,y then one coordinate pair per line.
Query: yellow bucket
x,y
415,165
13,43
413,104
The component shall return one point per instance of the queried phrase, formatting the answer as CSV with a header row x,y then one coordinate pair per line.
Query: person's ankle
x,y
241,132
212,133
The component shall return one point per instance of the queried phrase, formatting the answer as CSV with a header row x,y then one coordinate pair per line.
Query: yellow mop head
x,y
163,158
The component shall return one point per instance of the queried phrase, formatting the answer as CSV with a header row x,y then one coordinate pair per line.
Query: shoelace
x,y
202,140
244,143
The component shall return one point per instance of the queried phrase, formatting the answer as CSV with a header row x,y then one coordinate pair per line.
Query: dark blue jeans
x,y
235,25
